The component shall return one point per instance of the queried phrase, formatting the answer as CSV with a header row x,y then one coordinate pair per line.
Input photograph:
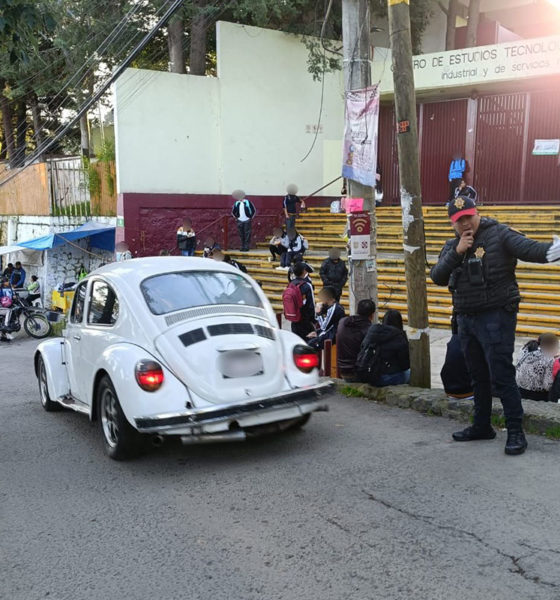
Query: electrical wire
x,y
102,47
94,99
318,126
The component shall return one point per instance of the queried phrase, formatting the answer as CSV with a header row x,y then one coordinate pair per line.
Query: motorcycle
x,y
35,322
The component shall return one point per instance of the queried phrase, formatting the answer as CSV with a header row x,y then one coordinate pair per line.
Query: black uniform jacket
x,y
484,278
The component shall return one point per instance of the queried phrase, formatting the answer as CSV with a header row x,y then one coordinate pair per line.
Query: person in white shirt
x,y
243,212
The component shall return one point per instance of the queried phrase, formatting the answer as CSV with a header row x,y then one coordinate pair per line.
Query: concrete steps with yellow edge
x,y
324,230
539,285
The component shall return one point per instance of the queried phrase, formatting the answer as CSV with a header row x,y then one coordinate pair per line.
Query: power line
x,y
95,97
51,110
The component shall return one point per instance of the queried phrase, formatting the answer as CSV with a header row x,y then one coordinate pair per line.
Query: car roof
x,y
135,270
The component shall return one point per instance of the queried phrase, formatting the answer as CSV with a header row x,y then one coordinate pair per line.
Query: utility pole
x,y
357,76
411,194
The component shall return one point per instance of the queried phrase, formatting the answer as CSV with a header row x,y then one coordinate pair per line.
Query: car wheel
x,y
46,401
120,439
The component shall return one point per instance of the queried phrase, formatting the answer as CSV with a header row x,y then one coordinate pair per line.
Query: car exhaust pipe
x,y
209,438
157,440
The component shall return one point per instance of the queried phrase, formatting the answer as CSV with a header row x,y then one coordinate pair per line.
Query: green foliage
x,y
350,392
498,421
553,433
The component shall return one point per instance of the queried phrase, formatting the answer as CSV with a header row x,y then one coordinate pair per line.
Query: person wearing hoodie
x,y
334,272
351,333
391,354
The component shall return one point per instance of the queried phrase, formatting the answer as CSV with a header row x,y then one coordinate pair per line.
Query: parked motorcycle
x,y
35,322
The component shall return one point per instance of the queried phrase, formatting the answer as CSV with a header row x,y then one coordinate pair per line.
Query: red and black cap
x,y
461,206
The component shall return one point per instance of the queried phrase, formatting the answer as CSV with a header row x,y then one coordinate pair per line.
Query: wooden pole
x,y
357,75
411,195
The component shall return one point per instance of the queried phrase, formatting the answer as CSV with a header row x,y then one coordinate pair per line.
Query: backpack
x,y
369,364
5,301
292,300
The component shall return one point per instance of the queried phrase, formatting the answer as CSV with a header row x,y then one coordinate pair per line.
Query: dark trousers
x,y
487,340
276,250
244,228
303,329
291,221
453,185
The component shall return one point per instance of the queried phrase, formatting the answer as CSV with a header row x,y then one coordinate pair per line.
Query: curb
x,y
541,418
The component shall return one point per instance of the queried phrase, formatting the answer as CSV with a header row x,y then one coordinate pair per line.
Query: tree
x,y
472,24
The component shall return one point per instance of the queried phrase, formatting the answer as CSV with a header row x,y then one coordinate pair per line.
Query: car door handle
x,y
77,337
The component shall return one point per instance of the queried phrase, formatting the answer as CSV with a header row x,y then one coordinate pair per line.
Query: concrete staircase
x,y
540,284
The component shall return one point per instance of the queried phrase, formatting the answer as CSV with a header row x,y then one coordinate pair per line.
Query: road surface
x,y
369,502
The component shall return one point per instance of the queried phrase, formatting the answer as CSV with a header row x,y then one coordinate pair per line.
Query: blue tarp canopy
x,y
100,235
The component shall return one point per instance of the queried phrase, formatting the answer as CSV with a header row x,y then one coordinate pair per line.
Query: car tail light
x,y
306,359
149,375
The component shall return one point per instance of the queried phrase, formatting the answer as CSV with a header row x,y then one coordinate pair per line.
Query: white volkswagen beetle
x,y
174,346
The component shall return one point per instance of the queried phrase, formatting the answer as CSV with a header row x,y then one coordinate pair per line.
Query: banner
x,y
359,160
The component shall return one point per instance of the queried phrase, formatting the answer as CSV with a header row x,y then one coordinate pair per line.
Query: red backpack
x,y
292,299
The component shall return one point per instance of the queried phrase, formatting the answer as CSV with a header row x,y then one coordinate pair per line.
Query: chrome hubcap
x,y
109,418
43,389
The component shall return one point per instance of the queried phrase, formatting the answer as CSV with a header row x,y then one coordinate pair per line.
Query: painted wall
x,y
248,128
167,133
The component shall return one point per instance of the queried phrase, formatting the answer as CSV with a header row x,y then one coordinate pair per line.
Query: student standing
x,y
299,303
456,173
243,212
291,200
186,238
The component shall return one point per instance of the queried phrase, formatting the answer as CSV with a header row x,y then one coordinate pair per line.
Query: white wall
x,y
269,107
248,128
167,133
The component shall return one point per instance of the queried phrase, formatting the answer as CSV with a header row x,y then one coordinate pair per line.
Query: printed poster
x,y
359,161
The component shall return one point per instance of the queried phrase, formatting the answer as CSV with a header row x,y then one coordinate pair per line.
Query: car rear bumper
x,y
255,412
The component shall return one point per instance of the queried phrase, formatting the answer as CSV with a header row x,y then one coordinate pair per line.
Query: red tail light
x,y
306,359
149,375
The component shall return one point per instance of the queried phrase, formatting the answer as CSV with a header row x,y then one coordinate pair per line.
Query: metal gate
x,y
499,148
68,187
442,128
542,173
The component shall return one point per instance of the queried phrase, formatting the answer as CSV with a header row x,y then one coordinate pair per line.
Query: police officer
x,y
478,265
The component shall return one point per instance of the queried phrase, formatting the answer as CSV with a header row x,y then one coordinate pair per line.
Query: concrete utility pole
x,y
411,194
357,75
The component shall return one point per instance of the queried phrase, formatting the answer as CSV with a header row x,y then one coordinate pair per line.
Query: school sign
x,y
510,61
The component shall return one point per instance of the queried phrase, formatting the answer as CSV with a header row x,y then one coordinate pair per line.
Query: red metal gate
x,y
542,173
442,135
387,155
499,148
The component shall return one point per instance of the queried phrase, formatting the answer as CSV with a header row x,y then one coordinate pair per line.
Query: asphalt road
x,y
368,502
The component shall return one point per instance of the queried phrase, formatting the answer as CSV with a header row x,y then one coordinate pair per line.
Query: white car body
x,y
192,345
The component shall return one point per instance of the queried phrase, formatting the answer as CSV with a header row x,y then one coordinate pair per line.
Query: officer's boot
x,y
516,441
475,432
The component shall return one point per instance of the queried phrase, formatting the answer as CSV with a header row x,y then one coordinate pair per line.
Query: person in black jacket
x,y
391,344
478,266
349,337
306,324
333,272
454,374
243,212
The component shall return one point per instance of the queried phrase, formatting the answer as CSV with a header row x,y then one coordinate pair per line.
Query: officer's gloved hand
x,y
553,253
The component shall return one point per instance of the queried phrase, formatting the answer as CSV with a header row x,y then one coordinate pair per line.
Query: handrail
x,y
225,220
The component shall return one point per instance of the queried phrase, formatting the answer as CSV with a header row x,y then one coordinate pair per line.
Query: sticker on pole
x,y
360,231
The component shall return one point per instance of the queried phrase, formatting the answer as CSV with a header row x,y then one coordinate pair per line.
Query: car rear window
x,y
186,289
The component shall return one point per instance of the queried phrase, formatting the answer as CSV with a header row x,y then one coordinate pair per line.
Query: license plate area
x,y
236,364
